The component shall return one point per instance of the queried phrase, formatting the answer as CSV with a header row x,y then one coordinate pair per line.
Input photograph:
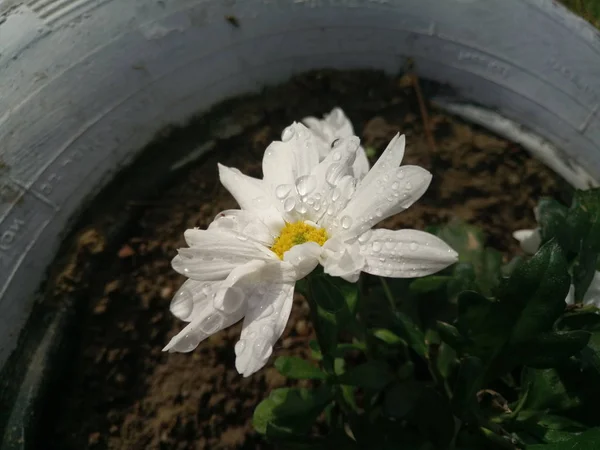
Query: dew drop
x,y
240,346
301,208
212,323
333,173
287,134
266,311
187,343
229,300
282,191
242,237
336,156
378,212
382,259
262,349
289,204
408,186
330,210
365,236
267,332
182,304
395,186
376,246
400,174
346,222
318,196
414,246
306,184
310,201
336,194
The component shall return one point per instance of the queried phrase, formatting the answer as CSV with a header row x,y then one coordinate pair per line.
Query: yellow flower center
x,y
295,234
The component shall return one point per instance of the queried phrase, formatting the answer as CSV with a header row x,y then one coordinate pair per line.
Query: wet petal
x,y
304,258
243,225
342,259
361,164
192,295
268,313
405,253
390,159
394,192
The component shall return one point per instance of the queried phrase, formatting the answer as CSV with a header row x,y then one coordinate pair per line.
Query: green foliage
x,y
483,355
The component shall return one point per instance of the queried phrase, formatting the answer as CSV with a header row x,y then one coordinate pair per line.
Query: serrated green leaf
x,y
297,368
548,349
535,293
371,375
291,410
588,440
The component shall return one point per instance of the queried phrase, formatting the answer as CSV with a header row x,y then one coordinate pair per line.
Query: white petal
x,y
213,255
592,296
268,313
361,164
530,240
341,259
305,147
339,123
225,306
252,195
570,300
322,131
279,164
396,191
243,225
390,159
405,253
304,258
191,296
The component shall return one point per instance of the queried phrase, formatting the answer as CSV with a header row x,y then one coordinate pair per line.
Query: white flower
x,y
336,125
531,240
303,212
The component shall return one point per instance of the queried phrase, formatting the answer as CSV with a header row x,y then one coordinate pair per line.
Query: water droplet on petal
x,y
408,186
336,194
346,222
289,204
400,174
212,323
333,173
331,210
336,156
265,311
262,349
395,186
317,206
365,236
306,184
187,343
242,237
229,300
283,190
301,208
240,346
376,246
267,332
379,212
182,304
414,246
287,134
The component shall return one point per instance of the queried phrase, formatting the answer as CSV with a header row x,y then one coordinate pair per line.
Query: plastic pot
x,y
85,84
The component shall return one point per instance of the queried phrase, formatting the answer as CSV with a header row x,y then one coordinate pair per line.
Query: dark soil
x,y
119,391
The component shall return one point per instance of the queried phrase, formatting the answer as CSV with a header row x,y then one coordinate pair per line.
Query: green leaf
x,y
401,398
451,336
549,349
388,337
551,218
371,375
334,294
429,284
463,279
547,392
535,293
297,368
583,220
410,332
588,440
584,270
291,410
